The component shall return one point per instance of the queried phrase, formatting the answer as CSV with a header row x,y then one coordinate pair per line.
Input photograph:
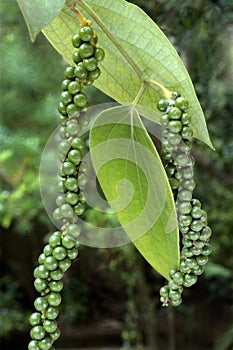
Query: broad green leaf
x,y
144,42
139,192
38,13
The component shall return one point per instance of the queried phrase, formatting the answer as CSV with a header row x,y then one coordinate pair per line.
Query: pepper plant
x,y
118,48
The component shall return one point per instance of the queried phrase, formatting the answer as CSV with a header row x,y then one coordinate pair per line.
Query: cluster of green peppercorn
x,y
62,247
192,219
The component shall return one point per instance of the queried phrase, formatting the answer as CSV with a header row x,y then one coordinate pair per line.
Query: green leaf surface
x,y
38,13
139,192
144,42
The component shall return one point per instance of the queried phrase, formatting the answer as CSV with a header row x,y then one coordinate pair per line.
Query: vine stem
x,y
82,19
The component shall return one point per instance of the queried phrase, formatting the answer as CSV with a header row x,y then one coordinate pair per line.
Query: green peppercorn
x,y
41,303
162,105
189,280
206,250
174,113
187,172
57,274
41,272
202,260
33,345
37,333
178,277
69,73
84,119
35,319
55,286
66,97
66,209
57,215
74,231
54,299
187,133
82,180
99,54
164,291
184,207
205,233
188,184
80,72
40,284
76,57
198,271
186,252
175,126
185,119
173,285
86,50
182,160
55,239
86,33
50,263
41,258
59,253
73,128
67,242
94,74
51,313
79,209
193,235
71,184
76,40
174,295
55,335
185,196
181,103
64,264
196,251
72,253
174,139
176,302
74,87
45,344
68,168
174,183
62,109
83,197
64,147
90,63
78,143
196,225
50,326
183,267
72,110
72,198
80,100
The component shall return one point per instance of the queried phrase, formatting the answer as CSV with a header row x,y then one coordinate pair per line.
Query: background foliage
x,y
115,284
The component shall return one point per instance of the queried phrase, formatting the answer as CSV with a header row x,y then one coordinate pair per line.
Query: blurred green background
x,y
111,296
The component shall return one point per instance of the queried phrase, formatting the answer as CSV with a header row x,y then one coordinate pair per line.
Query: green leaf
x,y
139,192
149,49
38,13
